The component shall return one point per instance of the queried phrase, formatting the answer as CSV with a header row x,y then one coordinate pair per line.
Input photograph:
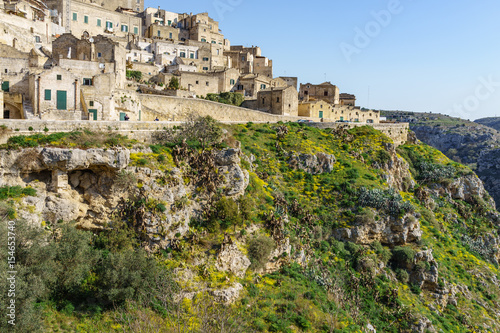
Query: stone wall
x,y
397,132
143,130
176,109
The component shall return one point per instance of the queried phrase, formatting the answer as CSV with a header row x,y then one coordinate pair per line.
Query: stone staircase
x,y
28,110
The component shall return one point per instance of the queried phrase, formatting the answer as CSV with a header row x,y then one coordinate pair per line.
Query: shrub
x,y
125,180
388,200
259,249
16,192
174,83
402,275
136,75
402,257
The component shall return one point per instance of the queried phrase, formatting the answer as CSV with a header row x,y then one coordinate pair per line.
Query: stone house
x,y
281,101
161,17
324,91
347,100
55,94
251,84
315,109
201,28
14,71
85,18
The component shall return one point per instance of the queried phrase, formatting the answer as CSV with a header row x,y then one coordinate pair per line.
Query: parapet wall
x,y
177,109
397,132
143,130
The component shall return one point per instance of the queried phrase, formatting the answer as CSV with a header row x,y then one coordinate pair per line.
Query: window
x,y
48,94
91,103
99,23
262,86
6,71
59,77
191,55
169,22
5,86
197,82
99,54
205,59
231,81
124,28
203,40
87,82
218,52
263,100
75,17
208,83
38,39
277,99
214,42
109,25
242,58
158,33
205,69
136,30
326,93
86,19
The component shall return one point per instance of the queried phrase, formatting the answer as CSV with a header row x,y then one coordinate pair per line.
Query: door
x,y
122,116
5,86
321,114
61,99
93,114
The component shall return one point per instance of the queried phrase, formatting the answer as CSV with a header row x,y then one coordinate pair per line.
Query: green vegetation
x,y
105,282
174,83
227,98
76,139
136,75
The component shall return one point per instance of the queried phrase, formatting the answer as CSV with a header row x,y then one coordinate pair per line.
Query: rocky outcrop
x,y
467,188
231,259
425,271
387,230
488,169
236,179
313,164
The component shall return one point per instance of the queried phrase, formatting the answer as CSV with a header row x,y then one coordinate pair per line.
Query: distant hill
x,y
476,144
493,122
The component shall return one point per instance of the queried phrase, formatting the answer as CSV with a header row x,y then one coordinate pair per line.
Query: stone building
x,y
315,109
333,113
347,100
250,84
83,18
201,28
291,81
14,71
55,94
324,91
135,5
281,101
30,9
249,60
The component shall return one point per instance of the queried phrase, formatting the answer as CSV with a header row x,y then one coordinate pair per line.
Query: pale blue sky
x,y
424,56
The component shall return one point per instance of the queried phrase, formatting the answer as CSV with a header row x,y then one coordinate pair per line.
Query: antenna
x,y
368,97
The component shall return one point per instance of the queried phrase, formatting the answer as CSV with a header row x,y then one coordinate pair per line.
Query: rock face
x,y
79,185
473,144
388,230
313,164
235,178
231,259
426,275
468,188
488,169
397,172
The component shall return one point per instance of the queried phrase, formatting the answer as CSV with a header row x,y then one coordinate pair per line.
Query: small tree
x,y
174,83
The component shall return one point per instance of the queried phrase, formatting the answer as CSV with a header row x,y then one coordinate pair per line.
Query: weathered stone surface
x,y
78,159
235,178
423,325
313,164
387,230
228,295
231,259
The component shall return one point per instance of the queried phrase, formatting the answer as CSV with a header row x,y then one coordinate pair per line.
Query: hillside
x,y
247,228
493,122
473,144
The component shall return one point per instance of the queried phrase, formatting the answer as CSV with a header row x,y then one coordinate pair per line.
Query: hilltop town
x,y
114,60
